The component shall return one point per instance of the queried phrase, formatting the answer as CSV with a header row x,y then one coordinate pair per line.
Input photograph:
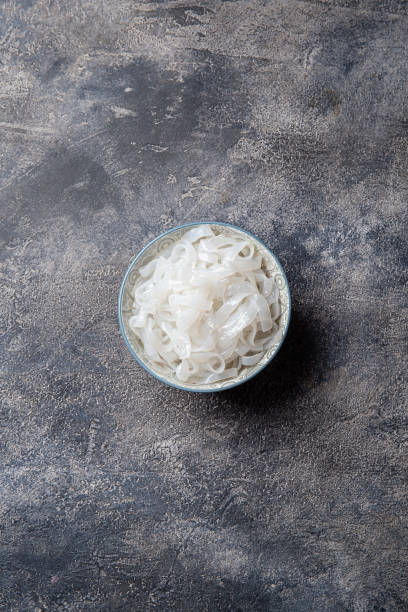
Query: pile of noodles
x,y
206,308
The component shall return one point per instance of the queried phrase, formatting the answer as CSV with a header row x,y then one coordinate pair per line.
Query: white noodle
x,y
206,308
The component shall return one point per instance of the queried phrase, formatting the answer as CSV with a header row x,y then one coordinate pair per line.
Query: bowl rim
x,y
122,287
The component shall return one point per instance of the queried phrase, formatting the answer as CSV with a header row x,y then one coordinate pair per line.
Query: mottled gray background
x,y
118,120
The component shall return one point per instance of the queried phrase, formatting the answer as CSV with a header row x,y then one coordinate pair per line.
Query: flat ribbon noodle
x,y
205,307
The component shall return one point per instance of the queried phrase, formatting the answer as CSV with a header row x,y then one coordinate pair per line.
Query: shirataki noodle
x,y
206,308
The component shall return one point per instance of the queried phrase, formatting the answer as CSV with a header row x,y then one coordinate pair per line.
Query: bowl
x,y
157,246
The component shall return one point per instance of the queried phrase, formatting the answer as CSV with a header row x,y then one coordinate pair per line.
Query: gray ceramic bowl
x,y
157,246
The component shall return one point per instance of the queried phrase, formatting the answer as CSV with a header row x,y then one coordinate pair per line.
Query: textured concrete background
x,y
120,119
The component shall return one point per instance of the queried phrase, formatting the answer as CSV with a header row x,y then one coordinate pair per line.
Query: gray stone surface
x,y
120,119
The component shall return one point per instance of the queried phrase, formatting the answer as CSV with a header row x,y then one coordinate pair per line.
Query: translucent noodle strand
x,y
206,307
